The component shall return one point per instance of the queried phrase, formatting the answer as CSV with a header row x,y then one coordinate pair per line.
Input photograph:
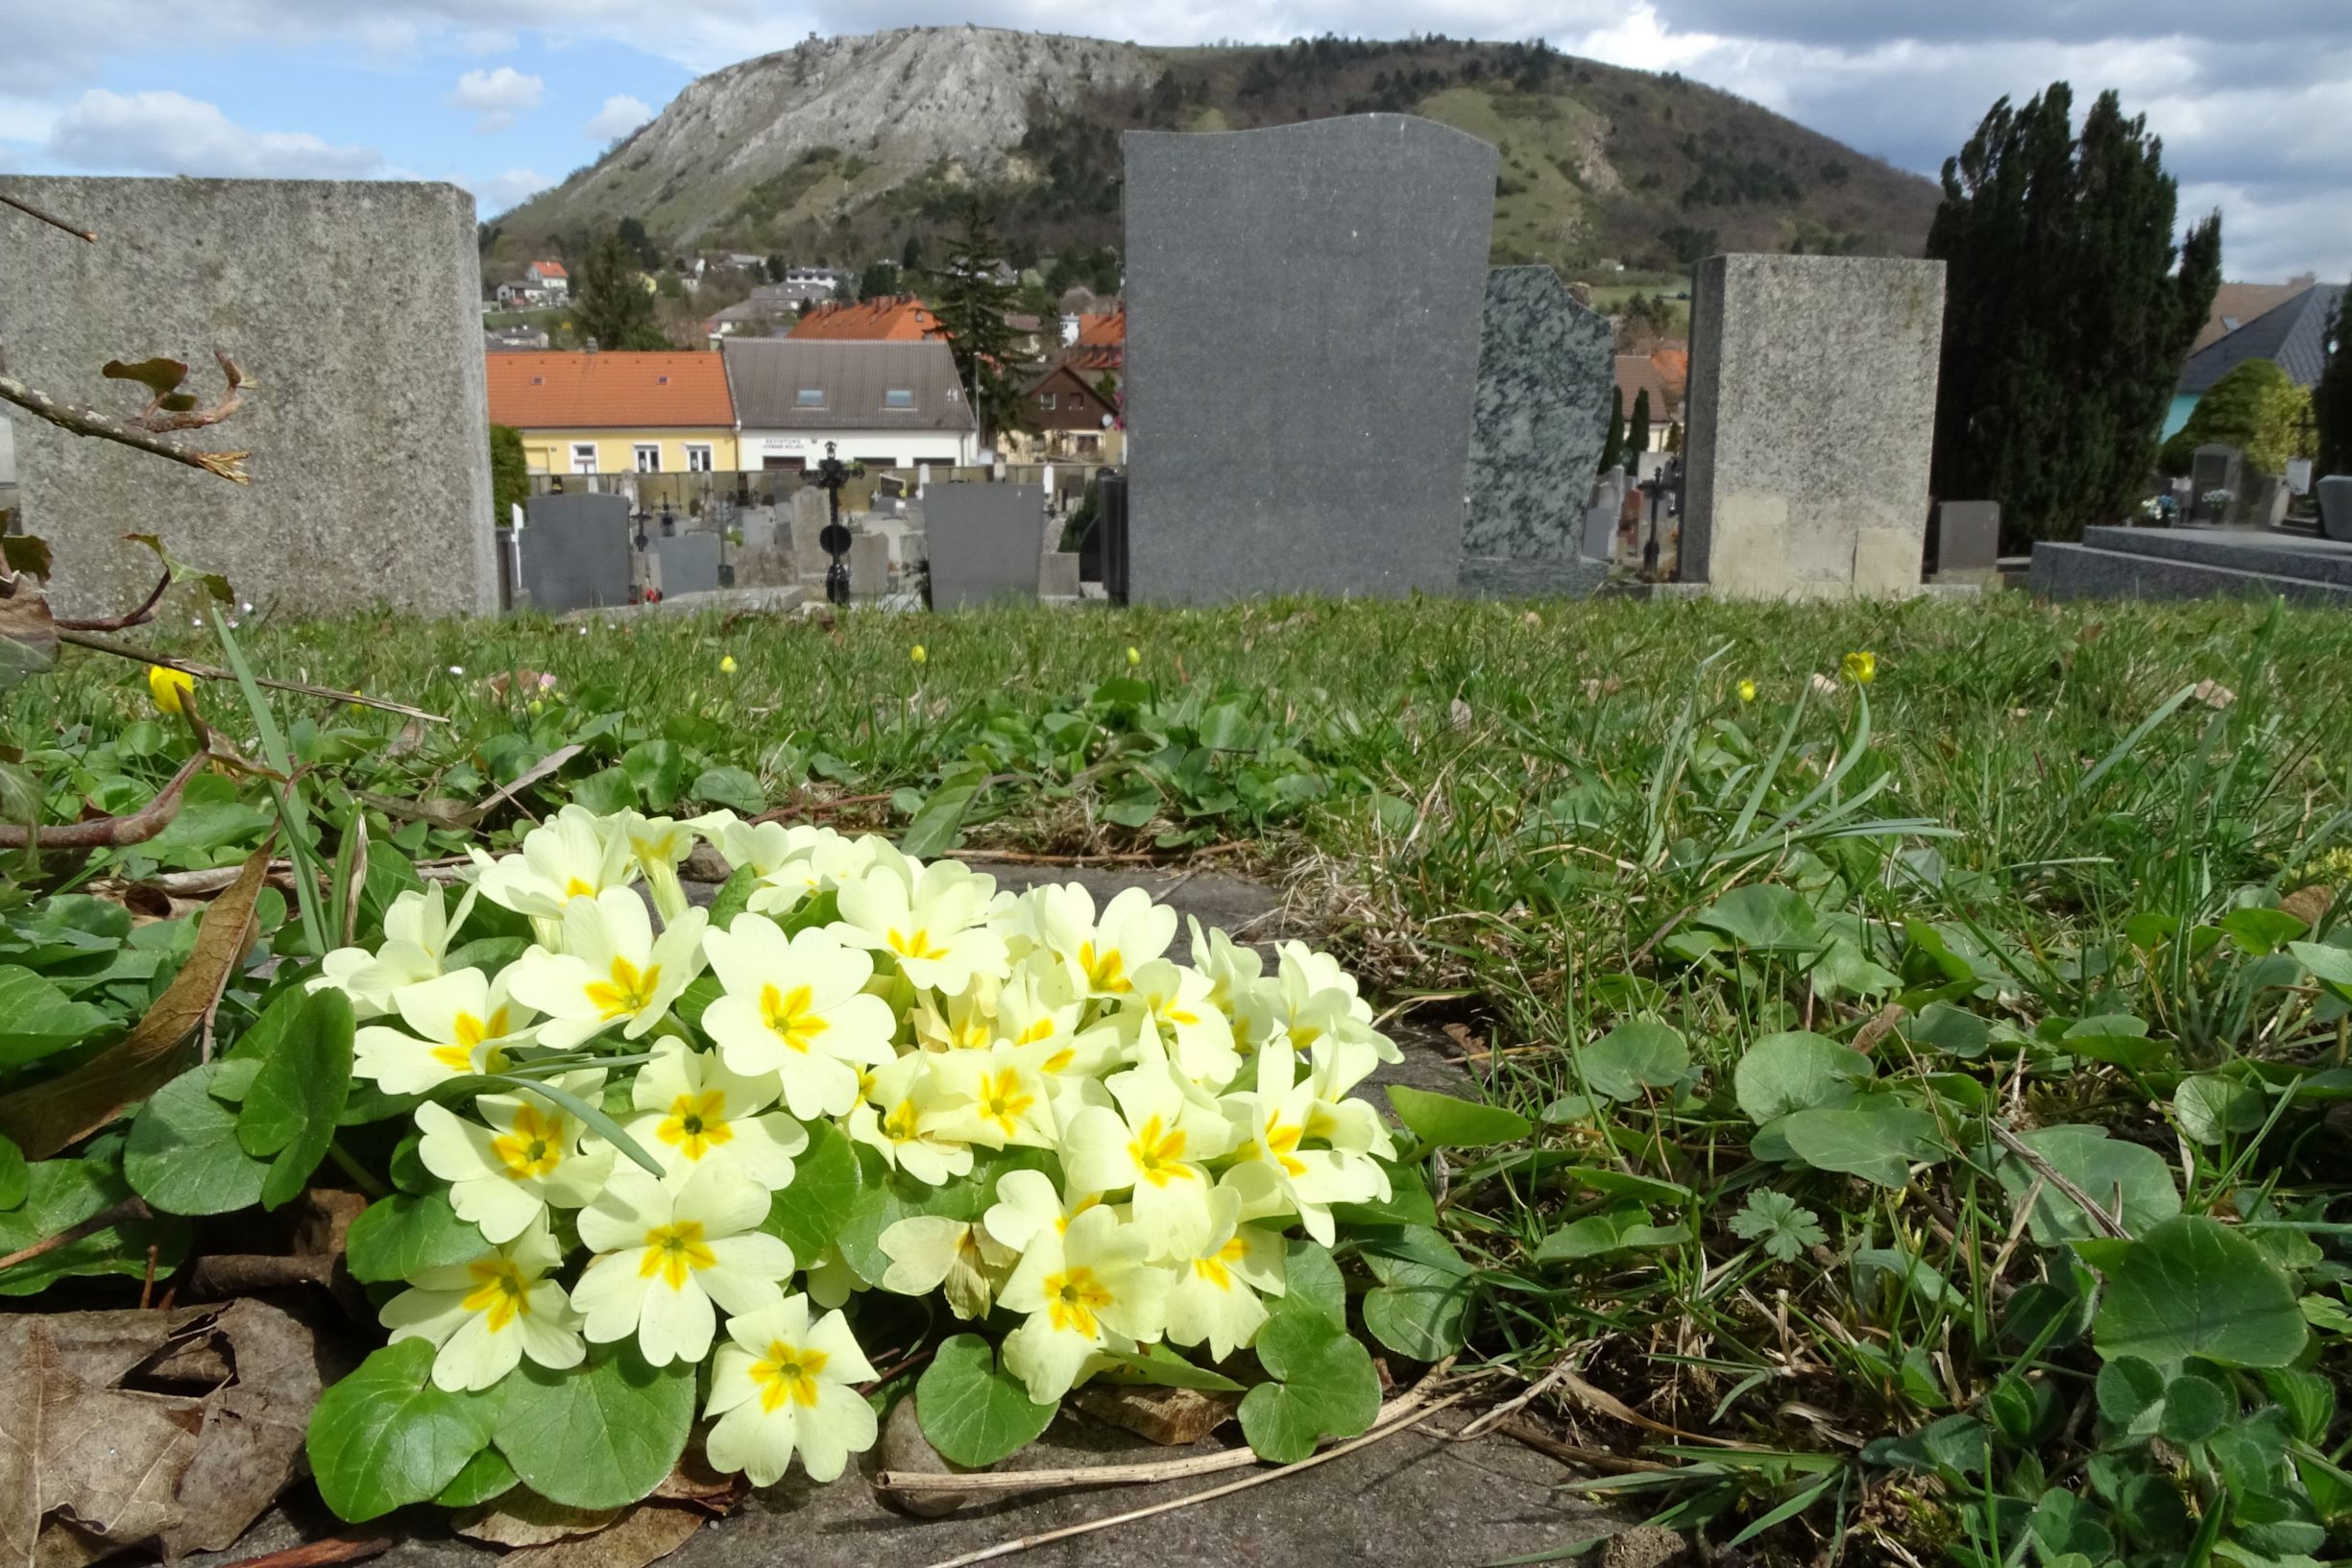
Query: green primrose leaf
x,y
1325,1388
1797,1071
1421,1307
38,1020
733,898
1455,1123
15,1175
827,1181
973,1410
1877,1139
183,1155
1638,1054
296,1097
600,1435
386,1435
2190,1287
939,824
398,1237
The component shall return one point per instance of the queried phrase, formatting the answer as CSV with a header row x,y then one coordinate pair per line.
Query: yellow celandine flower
x,y
490,1312
1747,691
726,664
1091,1282
169,687
1861,666
1134,656
917,654
783,1386
666,1254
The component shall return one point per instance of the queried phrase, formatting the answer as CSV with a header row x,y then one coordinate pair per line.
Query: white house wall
x,y
903,449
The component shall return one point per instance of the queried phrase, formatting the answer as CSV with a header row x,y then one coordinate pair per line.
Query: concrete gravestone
x,y
1967,540
1544,385
574,552
1811,418
983,541
352,308
810,514
869,564
2212,471
1301,355
686,564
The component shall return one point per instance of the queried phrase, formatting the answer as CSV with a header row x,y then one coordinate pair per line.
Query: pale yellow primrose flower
x,y
1096,1283
783,1386
489,1313
1102,954
612,971
416,938
1273,1159
463,1023
667,1253
505,1175
933,920
1155,1143
964,1023
897,1119
816,861
1233,973
932,1253
1029,1211
796,1006
994,1097
657,845
1172,1002
690,1109
573,855
1215,1296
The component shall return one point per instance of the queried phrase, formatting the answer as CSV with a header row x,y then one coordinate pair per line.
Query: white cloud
x,y
496,194
620,115
168,133
496,96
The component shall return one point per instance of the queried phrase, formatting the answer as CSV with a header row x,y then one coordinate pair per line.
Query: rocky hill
x,y
840,150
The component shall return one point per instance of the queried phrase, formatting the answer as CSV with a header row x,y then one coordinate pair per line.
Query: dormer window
x,y
898,398
810,397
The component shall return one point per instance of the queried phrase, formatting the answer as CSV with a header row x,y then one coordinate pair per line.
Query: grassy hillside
x,y
1599,164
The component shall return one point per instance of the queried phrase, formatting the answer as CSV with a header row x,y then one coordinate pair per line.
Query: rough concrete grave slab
x,y
1543,386
1302,356
1057,576
687,562
1967,540
1811,418
869,564
574,552
983,543
810,511
2195,563
352,306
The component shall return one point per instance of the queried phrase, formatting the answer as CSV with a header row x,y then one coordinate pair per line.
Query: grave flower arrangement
x,y
670,1169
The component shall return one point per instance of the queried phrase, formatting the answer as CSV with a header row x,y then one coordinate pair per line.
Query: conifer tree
x,y
1637,439
1612,443
970,303
614,307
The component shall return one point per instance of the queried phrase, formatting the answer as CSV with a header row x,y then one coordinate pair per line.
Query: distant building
x,y
898,318
1638,374
2288,325
522,294
1069,419
586,412
548,275
886,404
1096,341
515,339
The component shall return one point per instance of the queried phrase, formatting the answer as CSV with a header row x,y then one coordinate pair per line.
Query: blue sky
x,y
2253,99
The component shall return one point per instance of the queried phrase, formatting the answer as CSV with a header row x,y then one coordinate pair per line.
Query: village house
x,y
884,404
2284,322
898,318
1068,420
548,276
586,412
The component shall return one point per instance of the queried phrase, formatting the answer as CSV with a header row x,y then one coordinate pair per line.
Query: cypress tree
x,y
612,306
1612,443
2067,310
971,304
2332,399
1637,441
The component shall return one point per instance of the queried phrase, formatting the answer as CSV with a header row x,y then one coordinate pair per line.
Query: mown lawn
x,y
1825,1003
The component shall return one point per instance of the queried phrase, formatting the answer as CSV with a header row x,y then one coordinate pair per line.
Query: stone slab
x,y
1811,418
1544,385
766,602
1600,541
1302,356
809,513
1967,539
574,552
687,562
869,564
983,541
1058,575
351,305
2242,550
2083,571
2214,467
766,565
1516,577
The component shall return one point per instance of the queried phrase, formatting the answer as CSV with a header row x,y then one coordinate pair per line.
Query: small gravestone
x,y
2216,483
869,564
809,520
1968,541
759,523
1057,577
1301,355
573,553
1600,541
1543,386
687,564
1811,418
982,540
2336,506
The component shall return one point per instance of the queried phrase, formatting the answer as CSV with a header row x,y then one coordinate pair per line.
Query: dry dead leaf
x,y
646,1533
2307,903
119,1428
1458,713
1823,686
2214,694
1171,1418
524,1518
1595,688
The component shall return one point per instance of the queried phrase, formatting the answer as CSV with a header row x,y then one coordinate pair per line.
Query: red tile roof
x,y
1095,357
570,391
900,319
1104,330
550,269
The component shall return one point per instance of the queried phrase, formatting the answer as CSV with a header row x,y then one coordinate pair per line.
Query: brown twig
x,y
319,1553
156,418
129,1208
109,832
1566,1453
2110,1223
214,672
84,421
32,211
145,613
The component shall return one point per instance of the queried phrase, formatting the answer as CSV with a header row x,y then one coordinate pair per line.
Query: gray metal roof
x,y
2292,336
854,379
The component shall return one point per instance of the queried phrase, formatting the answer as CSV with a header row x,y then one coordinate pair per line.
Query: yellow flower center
x,y
1159,1155
1106,971
1072,1299
788,1372
629,992
696,1123
1282,1146
1083,1204
1042,1029
1003,1104
899,1126
470,1032
1217,1267
789,1017
674,1252
533,1145
579,887
917,946
501,1293
1168,1010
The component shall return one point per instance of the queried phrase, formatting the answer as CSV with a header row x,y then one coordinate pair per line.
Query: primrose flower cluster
x,y
1183,1117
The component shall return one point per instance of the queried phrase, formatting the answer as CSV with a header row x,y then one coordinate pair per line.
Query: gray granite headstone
x,y
983,543
353,307
689,562
1967,540
1543,384
1302,356
869,564
2336,506
1600,532
759,523
2215,467
574,552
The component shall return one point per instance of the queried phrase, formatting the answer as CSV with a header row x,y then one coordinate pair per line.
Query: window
x,y
810,397
697,457
648,457
898,398
1045,400
2229,323
583,457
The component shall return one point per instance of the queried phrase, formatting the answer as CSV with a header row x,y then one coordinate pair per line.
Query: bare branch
x,y
111,832
145,613
32,211
84,421
214,672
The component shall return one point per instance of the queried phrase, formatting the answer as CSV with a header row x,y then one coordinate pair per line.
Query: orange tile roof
x,y
549,269
1674,370
1095,356
899,319
1104,330
572,391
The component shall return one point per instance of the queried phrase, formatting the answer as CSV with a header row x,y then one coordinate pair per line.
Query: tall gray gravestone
x,y
1543,383
574,553
1811,416
1302,356
687,563
983,541
353,307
